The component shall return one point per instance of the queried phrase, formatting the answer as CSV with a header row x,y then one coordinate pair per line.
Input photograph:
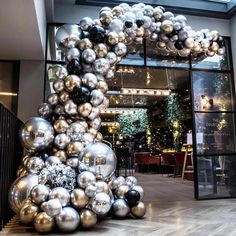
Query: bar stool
x,y
186,162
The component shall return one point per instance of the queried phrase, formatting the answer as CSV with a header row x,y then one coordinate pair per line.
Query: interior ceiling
x,y
211,8
149,78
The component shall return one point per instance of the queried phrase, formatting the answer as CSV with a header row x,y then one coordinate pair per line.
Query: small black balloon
x,y
179,45
132,197
139,22
128,24
85,34
80,95
96,34
221,42
74,67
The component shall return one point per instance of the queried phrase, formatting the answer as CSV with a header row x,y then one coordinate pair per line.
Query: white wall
x,y
31,86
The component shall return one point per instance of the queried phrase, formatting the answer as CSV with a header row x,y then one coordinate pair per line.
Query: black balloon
x,y
74,67
80,95
128,24
85,34
221,42
179,45
132,197
139,22
96,34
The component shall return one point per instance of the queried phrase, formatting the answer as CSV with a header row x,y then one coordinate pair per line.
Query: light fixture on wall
x,y
118,111
148,92
7,94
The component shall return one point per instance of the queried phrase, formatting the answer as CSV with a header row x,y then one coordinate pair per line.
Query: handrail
x,y
10,158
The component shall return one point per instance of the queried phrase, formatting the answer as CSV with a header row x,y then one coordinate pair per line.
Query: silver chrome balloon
x,y
131,181
58,85
78,198
95,123
52,207
73,162
72,53
68,220
34,165
39,193
43,223
61,194
91,80
120,208
44,110
120,49
139,189
20,191
70,107
85,109
68,35
100,158
57,71
94,113
36,134
74,148
101,66
76,130
101,203
62,140
85,178
97,97
51,160
85,23
88,55
91,190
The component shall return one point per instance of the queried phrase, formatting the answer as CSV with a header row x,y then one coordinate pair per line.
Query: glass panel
x,y
215,133
8,84
158,57
212,91
216,176
216,62
53,53
135,55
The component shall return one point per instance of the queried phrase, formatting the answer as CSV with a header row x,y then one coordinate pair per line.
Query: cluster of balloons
x,y
67,174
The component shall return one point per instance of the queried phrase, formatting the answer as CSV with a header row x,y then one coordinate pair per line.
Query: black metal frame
x,y
190,69
10,157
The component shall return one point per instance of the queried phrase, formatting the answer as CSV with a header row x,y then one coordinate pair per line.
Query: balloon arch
x,y
67,174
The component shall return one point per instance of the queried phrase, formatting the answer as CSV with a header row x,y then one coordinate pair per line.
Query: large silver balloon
x,y
44,110
101,66
39,193
78,198
52,207
34,165
68,35
36,134
43,223
88,55
61,194
101,204
20,191
120,208
86,178
99,158
88,218
27,213
62,140
68,220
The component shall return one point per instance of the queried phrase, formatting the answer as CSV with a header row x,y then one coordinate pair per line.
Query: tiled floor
x,y
171,210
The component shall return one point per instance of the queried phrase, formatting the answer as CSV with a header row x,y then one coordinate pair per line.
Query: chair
x,y
169,162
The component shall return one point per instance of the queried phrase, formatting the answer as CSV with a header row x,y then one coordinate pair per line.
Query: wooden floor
x,y
171,211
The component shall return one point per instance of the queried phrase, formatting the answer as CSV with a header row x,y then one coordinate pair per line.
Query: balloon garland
x,y
66,179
